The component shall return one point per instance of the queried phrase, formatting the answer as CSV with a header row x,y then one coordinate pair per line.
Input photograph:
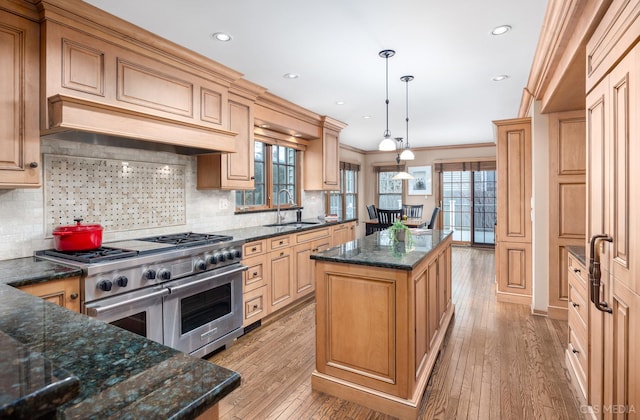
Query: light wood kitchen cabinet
x,y
281,283
62,292
19,101
308,243
567,198
322,157
231,171
613,210
344,232
513,241
578,318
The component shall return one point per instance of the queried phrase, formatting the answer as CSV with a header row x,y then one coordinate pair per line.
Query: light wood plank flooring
x,y
498,362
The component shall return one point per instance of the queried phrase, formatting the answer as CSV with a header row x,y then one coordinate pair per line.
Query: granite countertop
x,y
579,252
379,251
95,370
255,233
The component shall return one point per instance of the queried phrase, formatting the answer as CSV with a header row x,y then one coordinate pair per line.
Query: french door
x,y
469,205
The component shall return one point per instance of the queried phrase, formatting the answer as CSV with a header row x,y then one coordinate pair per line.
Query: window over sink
x,y
275,168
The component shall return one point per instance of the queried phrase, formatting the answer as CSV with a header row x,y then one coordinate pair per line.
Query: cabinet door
x,y
614,150
19,91
281,291
303,279
63,292
330,168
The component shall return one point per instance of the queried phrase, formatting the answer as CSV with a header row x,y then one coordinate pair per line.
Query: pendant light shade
x,y
407,154
402,175
387,144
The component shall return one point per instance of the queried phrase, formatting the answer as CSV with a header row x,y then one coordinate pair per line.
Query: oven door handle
x,y
177,288
95,310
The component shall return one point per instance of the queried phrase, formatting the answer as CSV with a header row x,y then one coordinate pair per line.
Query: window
x,y
389,190
344,203
275,168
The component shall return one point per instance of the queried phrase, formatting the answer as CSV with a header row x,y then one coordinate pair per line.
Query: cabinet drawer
x,y
578,304
255,305
577,271
312,235
578,357
255,275
253,248
279,242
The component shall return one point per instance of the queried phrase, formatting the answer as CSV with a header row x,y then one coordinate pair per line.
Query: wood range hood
x,y
106,81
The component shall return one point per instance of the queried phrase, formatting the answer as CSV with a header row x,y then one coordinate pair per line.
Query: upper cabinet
x,y
321,157
19,90
233,171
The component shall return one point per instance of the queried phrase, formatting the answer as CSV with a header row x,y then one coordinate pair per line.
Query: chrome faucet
x,y
280,219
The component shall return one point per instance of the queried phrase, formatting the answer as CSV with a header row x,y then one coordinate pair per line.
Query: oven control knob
x,y
237,253
214,259
149,274
164,274
201,265
227,256
122,281
105,285
222,257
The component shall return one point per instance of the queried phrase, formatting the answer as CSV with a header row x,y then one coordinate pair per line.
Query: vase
x,y
401,235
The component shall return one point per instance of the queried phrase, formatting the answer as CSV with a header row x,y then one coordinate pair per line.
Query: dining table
x,y
411,223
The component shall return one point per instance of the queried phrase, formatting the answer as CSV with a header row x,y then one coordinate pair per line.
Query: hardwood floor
x,y
498,362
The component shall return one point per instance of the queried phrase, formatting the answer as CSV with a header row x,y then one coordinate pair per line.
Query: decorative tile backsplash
x,y
118,194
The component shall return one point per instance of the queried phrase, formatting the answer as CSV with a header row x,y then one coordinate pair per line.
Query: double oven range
x,y
182,290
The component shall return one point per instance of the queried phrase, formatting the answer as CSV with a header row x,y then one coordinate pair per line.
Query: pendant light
x,y
387,144
407,154
400,174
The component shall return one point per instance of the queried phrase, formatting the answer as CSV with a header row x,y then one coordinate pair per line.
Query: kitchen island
x,y
382,311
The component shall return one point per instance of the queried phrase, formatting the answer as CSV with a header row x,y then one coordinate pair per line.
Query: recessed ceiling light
x,y
366,117
501,30
339,102
221,36
500,78
290,76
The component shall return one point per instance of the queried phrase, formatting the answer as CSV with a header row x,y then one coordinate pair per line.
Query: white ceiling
x,y
334,44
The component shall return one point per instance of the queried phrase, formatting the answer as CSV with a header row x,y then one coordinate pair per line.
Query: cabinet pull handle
x,y
255,248
33,164
575,351
594,272
73,296
575,305
281,254
255,307
255,274
576,270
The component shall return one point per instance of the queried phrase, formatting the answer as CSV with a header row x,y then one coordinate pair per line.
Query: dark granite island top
x,y
101,371
377,250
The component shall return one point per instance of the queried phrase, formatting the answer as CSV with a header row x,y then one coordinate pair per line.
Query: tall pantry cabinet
x,y
613,211
513,229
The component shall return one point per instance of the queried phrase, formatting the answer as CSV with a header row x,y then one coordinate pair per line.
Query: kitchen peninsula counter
x,y
89,368
382,311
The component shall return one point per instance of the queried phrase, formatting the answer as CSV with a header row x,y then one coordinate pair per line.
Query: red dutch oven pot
x,y
77,237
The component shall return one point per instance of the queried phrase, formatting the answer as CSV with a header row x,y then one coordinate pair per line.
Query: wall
x,y
424,156
22,211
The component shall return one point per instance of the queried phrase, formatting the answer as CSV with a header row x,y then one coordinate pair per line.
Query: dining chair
x,y
387,217
434,218
412,211
373,214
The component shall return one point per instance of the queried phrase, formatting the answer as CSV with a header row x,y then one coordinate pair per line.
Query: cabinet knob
x,y
255,248
575,305
33,164
576,270
575,351
73,296
255,274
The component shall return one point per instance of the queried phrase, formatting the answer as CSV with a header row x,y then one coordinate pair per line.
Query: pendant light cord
x,y
387,133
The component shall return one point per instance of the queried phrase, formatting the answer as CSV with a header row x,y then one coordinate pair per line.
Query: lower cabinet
x,y
344,232
281,291
577,354
63,292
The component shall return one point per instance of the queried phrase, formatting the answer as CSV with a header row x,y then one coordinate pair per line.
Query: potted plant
x,y
399,232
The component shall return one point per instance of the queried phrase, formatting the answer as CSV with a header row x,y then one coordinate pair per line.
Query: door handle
x,y
595,273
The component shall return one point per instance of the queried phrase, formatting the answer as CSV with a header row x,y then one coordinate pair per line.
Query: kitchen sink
x,y
292,224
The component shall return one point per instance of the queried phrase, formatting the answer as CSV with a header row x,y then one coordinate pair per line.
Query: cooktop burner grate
x,y
104,253
188,239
